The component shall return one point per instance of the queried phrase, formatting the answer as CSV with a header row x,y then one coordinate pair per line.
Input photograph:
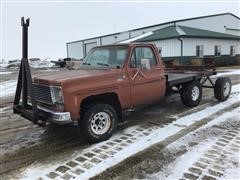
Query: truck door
x,y
146,76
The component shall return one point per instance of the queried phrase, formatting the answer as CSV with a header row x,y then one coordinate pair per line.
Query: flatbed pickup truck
x,y
112,80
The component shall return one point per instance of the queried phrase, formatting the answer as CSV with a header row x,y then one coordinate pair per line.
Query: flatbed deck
x,y
176,77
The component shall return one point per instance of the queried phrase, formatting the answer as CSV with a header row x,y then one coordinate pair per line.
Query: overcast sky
x,y
53,24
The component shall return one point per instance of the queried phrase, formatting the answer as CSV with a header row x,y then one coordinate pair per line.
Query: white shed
x,y
211,35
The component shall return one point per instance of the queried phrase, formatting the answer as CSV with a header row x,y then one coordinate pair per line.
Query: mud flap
x,y
24,84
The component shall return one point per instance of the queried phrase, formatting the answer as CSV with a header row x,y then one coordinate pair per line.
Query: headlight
x,y
56,93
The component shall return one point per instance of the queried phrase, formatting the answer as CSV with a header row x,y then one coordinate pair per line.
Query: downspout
x,y
67,49
84,49
181,58
100,41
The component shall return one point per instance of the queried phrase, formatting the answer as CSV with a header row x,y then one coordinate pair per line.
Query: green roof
x,y
187,32
165,23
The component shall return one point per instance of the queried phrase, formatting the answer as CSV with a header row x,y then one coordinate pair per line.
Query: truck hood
x,y
59,77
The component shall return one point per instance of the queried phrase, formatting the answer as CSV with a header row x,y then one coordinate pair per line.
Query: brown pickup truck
x,y
114,80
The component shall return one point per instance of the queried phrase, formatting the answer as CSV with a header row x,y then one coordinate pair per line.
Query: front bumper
x,y
43,115
56,117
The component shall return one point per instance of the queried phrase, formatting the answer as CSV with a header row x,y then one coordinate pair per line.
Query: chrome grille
x,y
42,93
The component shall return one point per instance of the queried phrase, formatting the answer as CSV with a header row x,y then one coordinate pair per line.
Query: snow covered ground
x,y
124,144
228,72
8,88
139,140
41,64
5,72
176,169
44,63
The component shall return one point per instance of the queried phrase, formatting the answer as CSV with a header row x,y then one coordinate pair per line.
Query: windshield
x,y
108,57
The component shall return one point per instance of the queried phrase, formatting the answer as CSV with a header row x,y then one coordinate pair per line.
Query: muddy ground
x,y
23,144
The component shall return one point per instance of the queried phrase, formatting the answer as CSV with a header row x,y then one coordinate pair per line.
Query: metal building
x,y
214,35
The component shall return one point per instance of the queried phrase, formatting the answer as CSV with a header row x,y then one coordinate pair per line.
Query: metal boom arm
x,y
24,83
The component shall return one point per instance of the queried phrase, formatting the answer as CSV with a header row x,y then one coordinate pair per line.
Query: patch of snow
x,y
3,109
228,72
179,30
235,113
232,173
136,38
8,88
44,63
5,72
175,170
141,143
3,66
41,64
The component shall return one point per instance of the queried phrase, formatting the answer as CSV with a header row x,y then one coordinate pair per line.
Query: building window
x,y
199,51
232,50
217,50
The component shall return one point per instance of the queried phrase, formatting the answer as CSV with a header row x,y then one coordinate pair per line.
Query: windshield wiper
x,y
102,64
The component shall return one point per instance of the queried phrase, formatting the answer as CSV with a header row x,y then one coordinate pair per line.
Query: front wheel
x,y
98,122
191,93
222,88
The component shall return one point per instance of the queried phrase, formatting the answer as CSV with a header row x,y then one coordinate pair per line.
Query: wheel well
x,y
109,98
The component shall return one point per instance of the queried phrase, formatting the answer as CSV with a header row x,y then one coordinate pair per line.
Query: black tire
x,y
187,96
221,92
98,110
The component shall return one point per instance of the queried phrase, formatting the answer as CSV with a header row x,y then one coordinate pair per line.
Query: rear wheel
x,y
98,122
222,88
191,93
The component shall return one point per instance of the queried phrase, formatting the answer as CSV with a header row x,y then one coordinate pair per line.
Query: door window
x,y
143,57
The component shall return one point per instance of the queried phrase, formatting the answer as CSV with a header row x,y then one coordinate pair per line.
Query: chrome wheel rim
x,y
100,123
226,89
195,93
